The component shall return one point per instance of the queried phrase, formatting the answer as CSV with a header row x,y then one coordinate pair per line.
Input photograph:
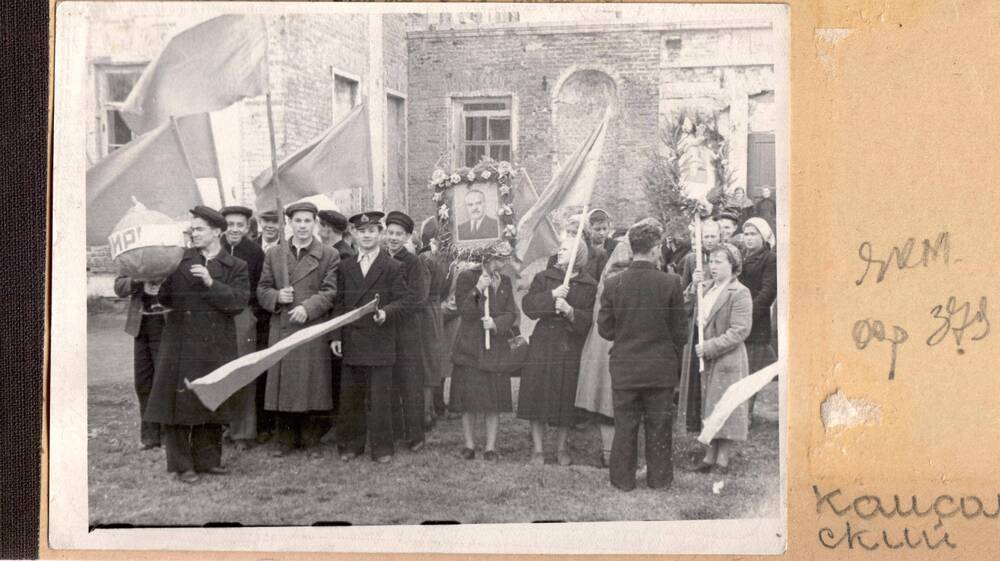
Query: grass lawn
x,y
131,486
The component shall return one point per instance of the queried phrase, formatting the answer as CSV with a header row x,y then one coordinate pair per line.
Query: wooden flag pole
x,y
486,307
276,184
698,268
576,246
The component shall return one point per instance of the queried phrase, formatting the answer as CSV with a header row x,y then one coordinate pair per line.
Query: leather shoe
x,y
417,446
188,477
563,457
491,456
702,467
468,453
387,459
720,469
347,456
217,470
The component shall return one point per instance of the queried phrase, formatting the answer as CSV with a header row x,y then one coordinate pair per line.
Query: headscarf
x,y
764,228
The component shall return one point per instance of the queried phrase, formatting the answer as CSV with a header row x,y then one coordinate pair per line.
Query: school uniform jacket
x,y
365,343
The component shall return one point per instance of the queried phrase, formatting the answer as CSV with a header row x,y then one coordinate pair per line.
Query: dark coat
x,y
132,289
488,228
301,381
411,321
470,343
765,208
365,343
642,312
253,255
345,249
432,338
199,336
549,375
760,276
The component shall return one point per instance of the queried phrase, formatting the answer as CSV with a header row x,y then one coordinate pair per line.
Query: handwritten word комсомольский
x,y
869,507
953,318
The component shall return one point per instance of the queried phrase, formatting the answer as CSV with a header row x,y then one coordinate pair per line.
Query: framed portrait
x,y
476,220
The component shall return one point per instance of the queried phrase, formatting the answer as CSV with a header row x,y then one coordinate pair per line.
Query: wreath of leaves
x,y
486,170
662,179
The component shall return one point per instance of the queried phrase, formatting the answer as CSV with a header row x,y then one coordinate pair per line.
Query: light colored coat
x,y
301,382
727,327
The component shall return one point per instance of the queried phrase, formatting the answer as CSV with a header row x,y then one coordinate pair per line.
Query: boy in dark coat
x,y
146,330
250,414
208,289
642,312
408,372
368,346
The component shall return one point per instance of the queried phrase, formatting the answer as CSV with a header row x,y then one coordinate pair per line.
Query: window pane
x,y
118,131
473,153
120,84
500,152
500,129
475,128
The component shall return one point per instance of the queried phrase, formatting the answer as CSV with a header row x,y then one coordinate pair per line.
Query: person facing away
x,y
205,293
642,312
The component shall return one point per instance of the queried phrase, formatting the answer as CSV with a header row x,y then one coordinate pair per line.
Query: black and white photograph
x,y
415,277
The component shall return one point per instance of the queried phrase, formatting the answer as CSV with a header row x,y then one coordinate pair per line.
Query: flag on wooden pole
x,y
572,185
732,398
153,168
337,160
217,386
202,69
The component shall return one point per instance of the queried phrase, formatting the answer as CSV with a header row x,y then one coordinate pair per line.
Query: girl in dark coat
x,y
549,376
480,387
760,275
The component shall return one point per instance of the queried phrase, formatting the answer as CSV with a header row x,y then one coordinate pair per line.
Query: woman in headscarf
x,y
760,276
480,385
725,312
547,393
593,390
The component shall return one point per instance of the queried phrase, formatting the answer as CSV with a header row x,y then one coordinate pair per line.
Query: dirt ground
x,y
131,486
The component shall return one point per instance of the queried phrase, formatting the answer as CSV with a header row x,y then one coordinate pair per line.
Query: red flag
x,y
572,185
205,68
337,160
152,168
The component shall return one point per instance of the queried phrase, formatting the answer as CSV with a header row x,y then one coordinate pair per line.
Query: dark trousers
x,y
439,405
694,387
355,421
408,400
265,418
654,408
192,447
300,430
144,351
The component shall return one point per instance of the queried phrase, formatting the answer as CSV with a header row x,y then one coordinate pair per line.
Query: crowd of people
x,y
614,339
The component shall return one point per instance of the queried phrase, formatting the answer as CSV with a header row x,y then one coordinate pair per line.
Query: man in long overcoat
x,y
298,286
368,346
248,408
207,290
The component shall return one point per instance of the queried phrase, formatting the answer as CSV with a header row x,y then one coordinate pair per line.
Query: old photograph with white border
x,y
428,278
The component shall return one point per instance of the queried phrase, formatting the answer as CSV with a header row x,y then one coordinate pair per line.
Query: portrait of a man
x,y
477,218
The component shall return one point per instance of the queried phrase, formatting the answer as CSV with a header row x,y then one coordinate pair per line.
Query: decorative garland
x,y
662,179
489,170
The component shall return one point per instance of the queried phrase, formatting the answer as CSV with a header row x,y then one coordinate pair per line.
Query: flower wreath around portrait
x,y
499,173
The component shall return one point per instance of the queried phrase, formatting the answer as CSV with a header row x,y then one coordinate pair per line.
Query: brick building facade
x,y
557,81
531,92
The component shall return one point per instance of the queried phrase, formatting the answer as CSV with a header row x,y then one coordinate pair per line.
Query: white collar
x,y
374,253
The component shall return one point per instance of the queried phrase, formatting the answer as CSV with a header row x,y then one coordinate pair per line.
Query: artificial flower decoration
x,y
506,210
437,197
510,231
504,190
471,177
486,174
504,248
504,168
455,178
443,213
438,176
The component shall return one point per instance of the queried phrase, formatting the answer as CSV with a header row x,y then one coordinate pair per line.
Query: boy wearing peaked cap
x,y
368,346
408,372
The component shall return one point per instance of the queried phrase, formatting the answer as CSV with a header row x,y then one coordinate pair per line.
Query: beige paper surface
x,y
894,136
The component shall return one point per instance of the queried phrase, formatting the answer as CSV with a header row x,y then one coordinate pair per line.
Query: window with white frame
x,y
114,83
485,130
